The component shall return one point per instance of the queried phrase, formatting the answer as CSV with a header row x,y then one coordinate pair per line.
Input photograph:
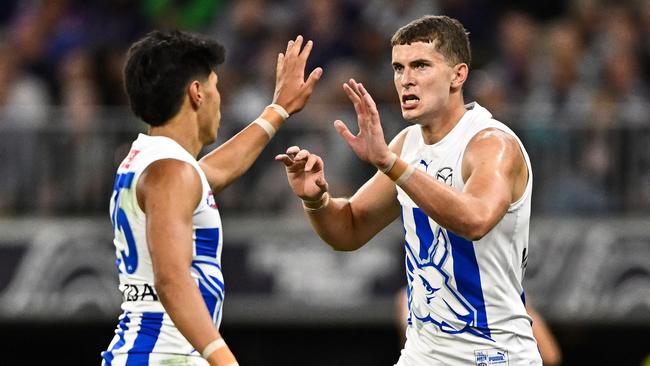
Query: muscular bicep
x,y
494,171
168,192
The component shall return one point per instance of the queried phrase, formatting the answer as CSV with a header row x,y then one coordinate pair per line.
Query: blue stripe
x,y
209,280
423,231
208,298
207,242
123,326
211,262
468,278
145,341
523,297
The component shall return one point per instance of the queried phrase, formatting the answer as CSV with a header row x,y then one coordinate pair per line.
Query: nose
x,y
407,77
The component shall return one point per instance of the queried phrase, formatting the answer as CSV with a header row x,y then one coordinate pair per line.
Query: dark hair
x,y
161,65
451,37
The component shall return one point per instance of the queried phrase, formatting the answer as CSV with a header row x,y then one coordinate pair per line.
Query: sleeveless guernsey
x,y
465,299
145,334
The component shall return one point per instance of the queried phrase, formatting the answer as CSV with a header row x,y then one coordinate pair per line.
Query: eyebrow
x,y
420,61
414,62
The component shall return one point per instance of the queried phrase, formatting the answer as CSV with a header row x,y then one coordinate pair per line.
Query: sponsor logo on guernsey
x,y
144,292
210,200
491,357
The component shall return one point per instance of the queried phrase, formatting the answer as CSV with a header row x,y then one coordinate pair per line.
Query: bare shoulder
x,y
494,148
171,181
494,140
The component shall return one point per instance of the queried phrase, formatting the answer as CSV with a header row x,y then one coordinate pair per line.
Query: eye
x,y
398,68
420,65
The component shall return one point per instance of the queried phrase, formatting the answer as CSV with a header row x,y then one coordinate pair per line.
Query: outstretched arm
x,y
230,160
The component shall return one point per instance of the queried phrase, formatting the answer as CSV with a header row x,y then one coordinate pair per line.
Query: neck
x,y
180,130
440,125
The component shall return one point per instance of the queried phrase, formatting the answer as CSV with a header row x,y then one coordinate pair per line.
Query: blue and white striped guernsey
x,y
145,334
465,299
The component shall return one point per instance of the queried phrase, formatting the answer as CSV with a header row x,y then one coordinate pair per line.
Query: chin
x,y
410,117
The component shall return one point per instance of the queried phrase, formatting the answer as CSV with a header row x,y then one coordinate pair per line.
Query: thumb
x,y
343,130
313,78
322,184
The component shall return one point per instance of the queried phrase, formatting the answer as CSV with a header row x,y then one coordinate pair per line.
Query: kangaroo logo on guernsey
x,y
445,175
436,297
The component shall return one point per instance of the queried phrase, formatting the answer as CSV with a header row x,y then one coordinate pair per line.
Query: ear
x,y
195,94
460,71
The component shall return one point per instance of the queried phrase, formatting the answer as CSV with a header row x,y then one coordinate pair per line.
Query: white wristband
x,y
391,163
266,125
325,199
407,173
212,347
280,109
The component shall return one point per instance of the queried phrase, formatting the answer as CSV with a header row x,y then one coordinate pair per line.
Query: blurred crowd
x,y
571,77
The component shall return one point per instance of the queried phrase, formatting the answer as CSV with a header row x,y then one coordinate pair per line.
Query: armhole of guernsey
x,y
529,183
514,206
136,179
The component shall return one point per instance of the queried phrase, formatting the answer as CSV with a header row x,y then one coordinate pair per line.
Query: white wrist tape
x,y
325,199
407,173
212,347
391,163
280,109
266,125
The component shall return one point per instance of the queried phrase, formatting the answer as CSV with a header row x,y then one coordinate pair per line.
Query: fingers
x,y
288,158
343,130
313,78
302,155
285,159
370,104
293,47
351,90
289,46
304,54
293,150
314,162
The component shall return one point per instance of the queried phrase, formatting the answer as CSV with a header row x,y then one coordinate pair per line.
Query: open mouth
x,y
409,99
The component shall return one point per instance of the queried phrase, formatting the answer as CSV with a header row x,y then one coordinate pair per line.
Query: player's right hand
x,y
291,89
305,172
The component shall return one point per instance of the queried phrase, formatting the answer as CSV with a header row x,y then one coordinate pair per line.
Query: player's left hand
x,y
305,172
291,89
369,144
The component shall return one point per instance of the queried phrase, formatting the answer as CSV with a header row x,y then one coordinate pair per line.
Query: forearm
x,y
234,157
183,302
334,223
454,210
348,224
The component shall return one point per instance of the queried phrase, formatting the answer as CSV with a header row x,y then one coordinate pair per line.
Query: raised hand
x,y
305,172
291,89
369,144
